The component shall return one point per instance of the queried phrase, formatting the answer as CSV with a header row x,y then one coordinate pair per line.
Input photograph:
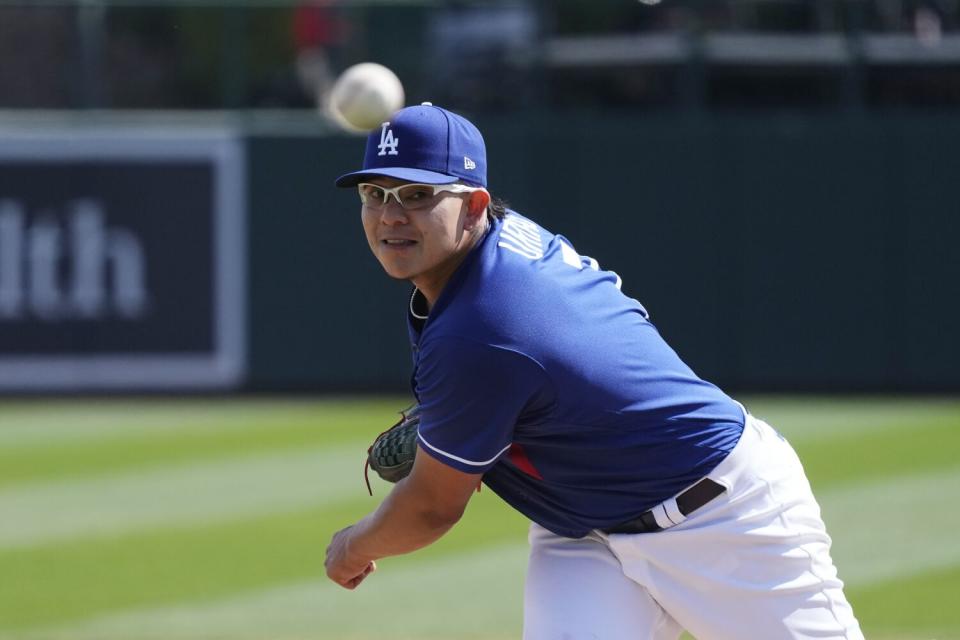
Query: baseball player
x,y
657,502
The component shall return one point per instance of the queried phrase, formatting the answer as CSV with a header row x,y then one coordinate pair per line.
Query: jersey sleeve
x,y
471,396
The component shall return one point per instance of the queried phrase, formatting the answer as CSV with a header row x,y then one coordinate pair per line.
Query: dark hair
x,y
497,208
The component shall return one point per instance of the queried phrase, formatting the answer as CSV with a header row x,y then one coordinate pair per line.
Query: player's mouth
x,y
397,243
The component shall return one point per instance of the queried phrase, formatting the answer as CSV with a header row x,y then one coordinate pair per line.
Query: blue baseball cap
x,y
424,144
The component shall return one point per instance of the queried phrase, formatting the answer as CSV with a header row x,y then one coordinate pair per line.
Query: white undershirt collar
x,y
412,312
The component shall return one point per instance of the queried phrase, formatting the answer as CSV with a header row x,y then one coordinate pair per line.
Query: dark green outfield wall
x,y
773,251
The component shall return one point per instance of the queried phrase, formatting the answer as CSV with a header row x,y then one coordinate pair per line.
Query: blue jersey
x,y
534,369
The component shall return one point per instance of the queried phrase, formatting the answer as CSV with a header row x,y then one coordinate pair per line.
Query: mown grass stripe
x,y
194,494
471,595
28,424
77,579
199,438
897,527
852,459
924,603
820,418
40,424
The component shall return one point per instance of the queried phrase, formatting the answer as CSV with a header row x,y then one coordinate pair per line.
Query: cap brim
x,y
400,173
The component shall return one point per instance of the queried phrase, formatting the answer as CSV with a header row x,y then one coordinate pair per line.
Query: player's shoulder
x,y
513,255
504,289
517,235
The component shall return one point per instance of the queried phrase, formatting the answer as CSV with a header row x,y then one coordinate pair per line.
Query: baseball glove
x,y
392,453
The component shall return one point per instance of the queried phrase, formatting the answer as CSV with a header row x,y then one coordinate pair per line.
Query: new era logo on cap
x,y
424,144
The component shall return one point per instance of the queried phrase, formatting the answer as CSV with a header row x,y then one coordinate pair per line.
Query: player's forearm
x,y
405,521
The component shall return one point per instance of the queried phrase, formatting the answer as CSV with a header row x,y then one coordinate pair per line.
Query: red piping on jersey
x,y
518,456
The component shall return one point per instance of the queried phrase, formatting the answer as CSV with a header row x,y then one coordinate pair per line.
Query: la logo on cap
x,y
388,143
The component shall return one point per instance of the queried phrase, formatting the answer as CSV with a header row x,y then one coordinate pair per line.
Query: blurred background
x,y
195,345
775,180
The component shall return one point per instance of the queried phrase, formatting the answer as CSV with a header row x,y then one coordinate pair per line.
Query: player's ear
x,y
477,204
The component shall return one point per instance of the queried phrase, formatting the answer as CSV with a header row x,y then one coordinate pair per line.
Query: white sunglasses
x,y
409,196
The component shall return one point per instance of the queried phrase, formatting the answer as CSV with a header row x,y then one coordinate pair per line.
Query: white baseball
x,y
364,96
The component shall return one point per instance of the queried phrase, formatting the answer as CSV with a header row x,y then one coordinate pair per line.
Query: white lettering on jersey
x,y
570,256
388,143
521,237
577,261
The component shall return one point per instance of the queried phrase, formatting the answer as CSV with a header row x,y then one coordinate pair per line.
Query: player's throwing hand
x,y
344,568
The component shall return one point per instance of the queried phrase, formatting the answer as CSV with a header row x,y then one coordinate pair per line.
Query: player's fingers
x,y
348,583
370,568
352,582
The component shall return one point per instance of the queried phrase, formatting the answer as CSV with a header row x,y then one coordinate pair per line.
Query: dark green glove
x,y
391,455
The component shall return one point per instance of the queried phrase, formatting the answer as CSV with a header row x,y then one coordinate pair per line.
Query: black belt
x,y
687,502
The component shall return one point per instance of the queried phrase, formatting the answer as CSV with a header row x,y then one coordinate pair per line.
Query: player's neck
x,y
432,283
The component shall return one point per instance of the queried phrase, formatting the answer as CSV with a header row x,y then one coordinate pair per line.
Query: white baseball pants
x,y
753,564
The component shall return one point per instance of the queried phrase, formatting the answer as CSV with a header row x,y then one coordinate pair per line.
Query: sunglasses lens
x,y
371,195
416,195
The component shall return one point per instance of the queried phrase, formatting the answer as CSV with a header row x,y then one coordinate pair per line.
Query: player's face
x,y
423,244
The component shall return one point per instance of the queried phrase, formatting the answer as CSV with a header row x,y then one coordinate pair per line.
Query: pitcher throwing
x,y
657,502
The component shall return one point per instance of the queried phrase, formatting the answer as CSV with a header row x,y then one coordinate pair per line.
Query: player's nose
x,y
393,213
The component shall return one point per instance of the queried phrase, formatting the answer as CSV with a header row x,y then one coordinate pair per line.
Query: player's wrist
x,y
357,547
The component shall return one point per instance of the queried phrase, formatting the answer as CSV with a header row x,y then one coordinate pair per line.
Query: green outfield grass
x,y
196,519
